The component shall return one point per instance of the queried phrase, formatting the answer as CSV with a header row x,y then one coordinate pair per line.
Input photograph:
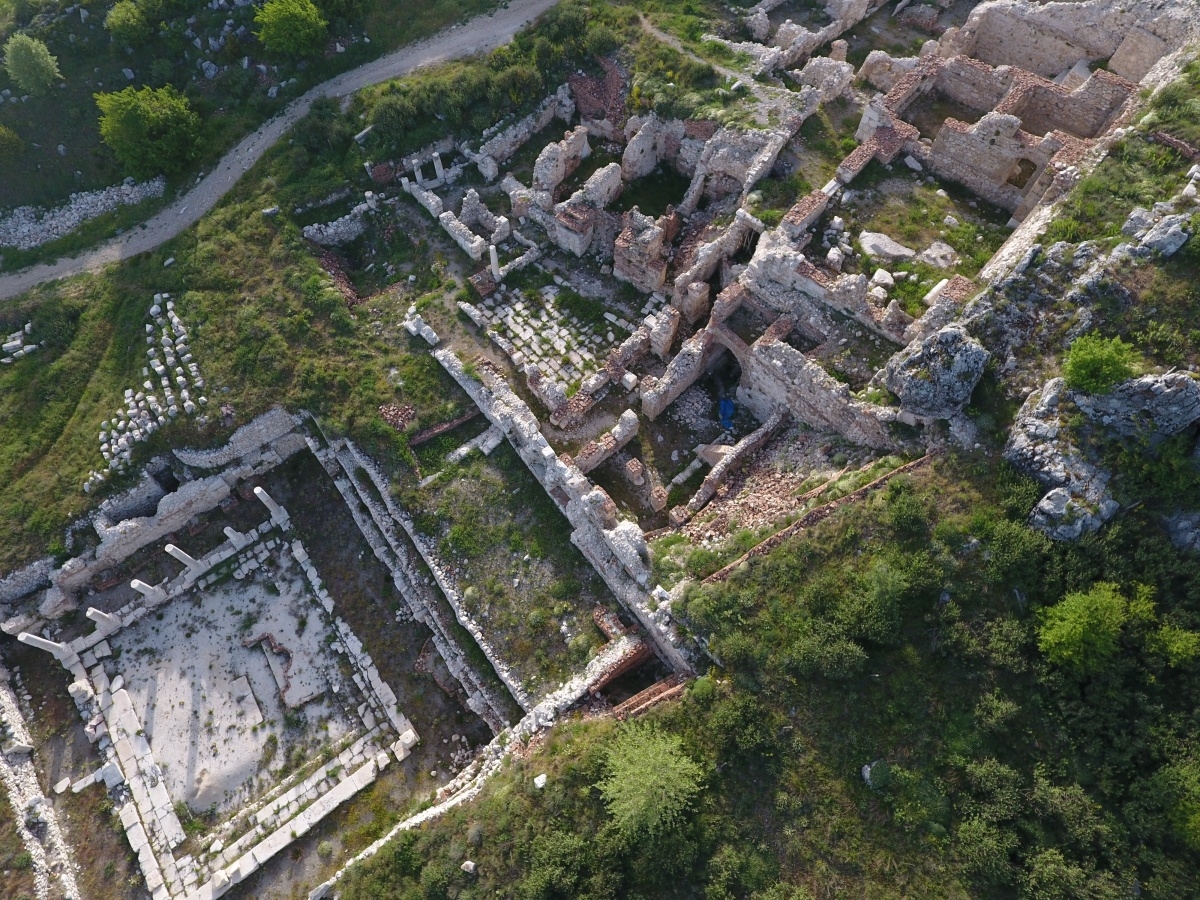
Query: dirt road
x,y
481,34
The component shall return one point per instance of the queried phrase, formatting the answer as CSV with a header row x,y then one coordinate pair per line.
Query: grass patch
x,y
1135,173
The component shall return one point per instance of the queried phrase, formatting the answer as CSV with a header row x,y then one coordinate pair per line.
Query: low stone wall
x,y
27,227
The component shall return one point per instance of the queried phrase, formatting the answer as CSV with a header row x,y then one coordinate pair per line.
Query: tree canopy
x,y
30,64
152,130
290,28
650,782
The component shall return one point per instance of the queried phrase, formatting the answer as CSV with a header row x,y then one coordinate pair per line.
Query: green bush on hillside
x,y
650,783
1095,364
30,64
152,130
290,28
127,24
10,144
1082,631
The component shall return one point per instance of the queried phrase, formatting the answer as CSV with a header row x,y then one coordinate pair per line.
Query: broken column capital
x,y
106,623
192,564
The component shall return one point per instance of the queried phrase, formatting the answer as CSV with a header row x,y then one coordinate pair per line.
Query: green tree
x,y
30,64
1179,785
10,144
1176,645
290,28
1082,630
1095,364
650,782
127,24
152,130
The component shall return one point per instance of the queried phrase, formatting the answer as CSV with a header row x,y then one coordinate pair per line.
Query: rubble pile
x,y
27,227
154,405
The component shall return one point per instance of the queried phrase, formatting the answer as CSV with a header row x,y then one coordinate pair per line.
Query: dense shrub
x,y
127,24
1095,364
650,782
1082,630
10,144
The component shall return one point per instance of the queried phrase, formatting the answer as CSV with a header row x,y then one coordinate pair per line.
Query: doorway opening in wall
x,y
1022,173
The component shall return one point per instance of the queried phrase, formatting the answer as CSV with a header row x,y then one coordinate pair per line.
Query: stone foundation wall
x,y
777,377
1044,107
973,83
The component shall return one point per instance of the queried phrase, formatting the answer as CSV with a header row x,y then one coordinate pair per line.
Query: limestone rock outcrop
x,y
1078,500
935,378
881,246
1156,406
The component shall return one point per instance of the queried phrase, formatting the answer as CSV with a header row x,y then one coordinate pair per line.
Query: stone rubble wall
x,y
710,255
682,372
21,582
1085,112
974,84
265,429
731,461
981,157
428,199
1049,38
392,551
27,227
471,243
175,509
504,145
792,42
594,453
558,160
638,256
50,857
776,377
475,213
340,231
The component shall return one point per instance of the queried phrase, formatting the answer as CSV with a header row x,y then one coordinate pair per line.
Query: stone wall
x,y
616,548
682,372
1049,38
983,156
973,83
638,256
559,160
499,148
1084,112
594,453
777,377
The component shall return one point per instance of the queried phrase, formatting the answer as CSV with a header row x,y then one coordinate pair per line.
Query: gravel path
x,y
479,35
